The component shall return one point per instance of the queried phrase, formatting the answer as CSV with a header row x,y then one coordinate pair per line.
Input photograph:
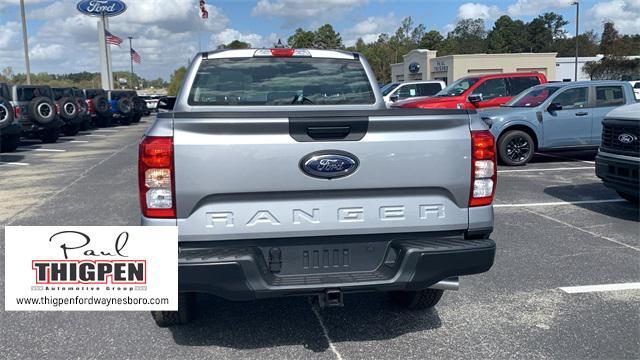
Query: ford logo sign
x,y
414,67
101,7
329,164
627,138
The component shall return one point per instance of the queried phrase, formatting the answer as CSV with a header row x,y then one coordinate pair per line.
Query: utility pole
x,y
577,4
131,59
25,42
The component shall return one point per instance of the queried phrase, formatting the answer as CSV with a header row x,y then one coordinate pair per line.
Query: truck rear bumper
x,y
281,267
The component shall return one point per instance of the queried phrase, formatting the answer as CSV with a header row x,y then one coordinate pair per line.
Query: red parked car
x,y
472,92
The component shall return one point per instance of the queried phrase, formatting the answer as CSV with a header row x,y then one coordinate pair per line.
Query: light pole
x,y
25,42
577,4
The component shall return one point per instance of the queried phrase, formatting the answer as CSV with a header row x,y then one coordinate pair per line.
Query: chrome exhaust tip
x,y
451,283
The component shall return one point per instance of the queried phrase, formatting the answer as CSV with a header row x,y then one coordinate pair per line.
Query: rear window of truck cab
x,y
281,81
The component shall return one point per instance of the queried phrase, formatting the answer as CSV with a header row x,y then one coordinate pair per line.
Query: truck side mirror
x,y
394,97
554,107
475,98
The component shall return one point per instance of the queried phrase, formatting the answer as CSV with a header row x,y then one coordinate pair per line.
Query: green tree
x,y
235,44
555,23
587,45
325,37
431,40
468,37
176,81
301,39
609,40
613,68
507,36
539,36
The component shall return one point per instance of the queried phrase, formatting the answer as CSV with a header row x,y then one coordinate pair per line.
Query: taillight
x,y
90,107
18,111
483,168
57,108
156,177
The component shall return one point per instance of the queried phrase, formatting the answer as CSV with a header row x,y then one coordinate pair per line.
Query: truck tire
x,y
6,113
630,198
126,120
42,110
515,148
101,105
68,108
49,136
416,300
125,106
186,305
9,143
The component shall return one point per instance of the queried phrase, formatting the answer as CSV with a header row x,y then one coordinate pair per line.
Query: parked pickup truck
x,y
477,91
618,159
411,89
281,188
554,116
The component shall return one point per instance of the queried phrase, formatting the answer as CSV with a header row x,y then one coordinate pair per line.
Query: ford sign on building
x,y
101,7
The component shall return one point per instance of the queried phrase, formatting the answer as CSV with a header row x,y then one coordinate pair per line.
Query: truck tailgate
x,y
238,175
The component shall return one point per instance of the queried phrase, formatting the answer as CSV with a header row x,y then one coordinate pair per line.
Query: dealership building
x,y
422,64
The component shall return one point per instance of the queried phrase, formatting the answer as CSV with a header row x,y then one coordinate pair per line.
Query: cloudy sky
x,y
167,33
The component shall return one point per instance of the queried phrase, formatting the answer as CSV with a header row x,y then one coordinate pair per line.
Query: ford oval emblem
x,y
414,67
329,164
627,138
101,7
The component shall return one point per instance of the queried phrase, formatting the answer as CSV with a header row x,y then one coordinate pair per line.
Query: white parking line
x,y
13,163
559,203
107,131
78,141
565,158
44,150
598,288
596,235
547,169
96,135
325,331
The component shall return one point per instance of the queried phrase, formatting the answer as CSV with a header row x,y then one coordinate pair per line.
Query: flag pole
x,y
106,52
131,59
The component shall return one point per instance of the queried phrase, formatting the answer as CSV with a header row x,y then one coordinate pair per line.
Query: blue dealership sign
x,y
101,7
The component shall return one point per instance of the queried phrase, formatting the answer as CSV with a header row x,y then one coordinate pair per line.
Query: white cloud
x,y
478,11
295,10
256,40
624,13
536,7
370,28
8,33
67,41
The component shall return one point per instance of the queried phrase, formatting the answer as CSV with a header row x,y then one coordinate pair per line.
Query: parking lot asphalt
x,y
556,226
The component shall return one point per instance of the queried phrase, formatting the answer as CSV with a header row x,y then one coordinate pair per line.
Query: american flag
x,y
203,10
135,56
112,39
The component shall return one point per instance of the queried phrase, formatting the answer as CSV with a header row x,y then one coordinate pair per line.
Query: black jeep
x,y
36,111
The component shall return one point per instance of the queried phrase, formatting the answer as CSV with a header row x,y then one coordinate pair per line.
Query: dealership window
x,y
609,96
572,98
491,89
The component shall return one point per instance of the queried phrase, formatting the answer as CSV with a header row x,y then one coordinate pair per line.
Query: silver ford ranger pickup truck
x,y
286,175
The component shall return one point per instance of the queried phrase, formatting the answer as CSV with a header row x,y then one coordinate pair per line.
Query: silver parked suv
x,y
286,175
